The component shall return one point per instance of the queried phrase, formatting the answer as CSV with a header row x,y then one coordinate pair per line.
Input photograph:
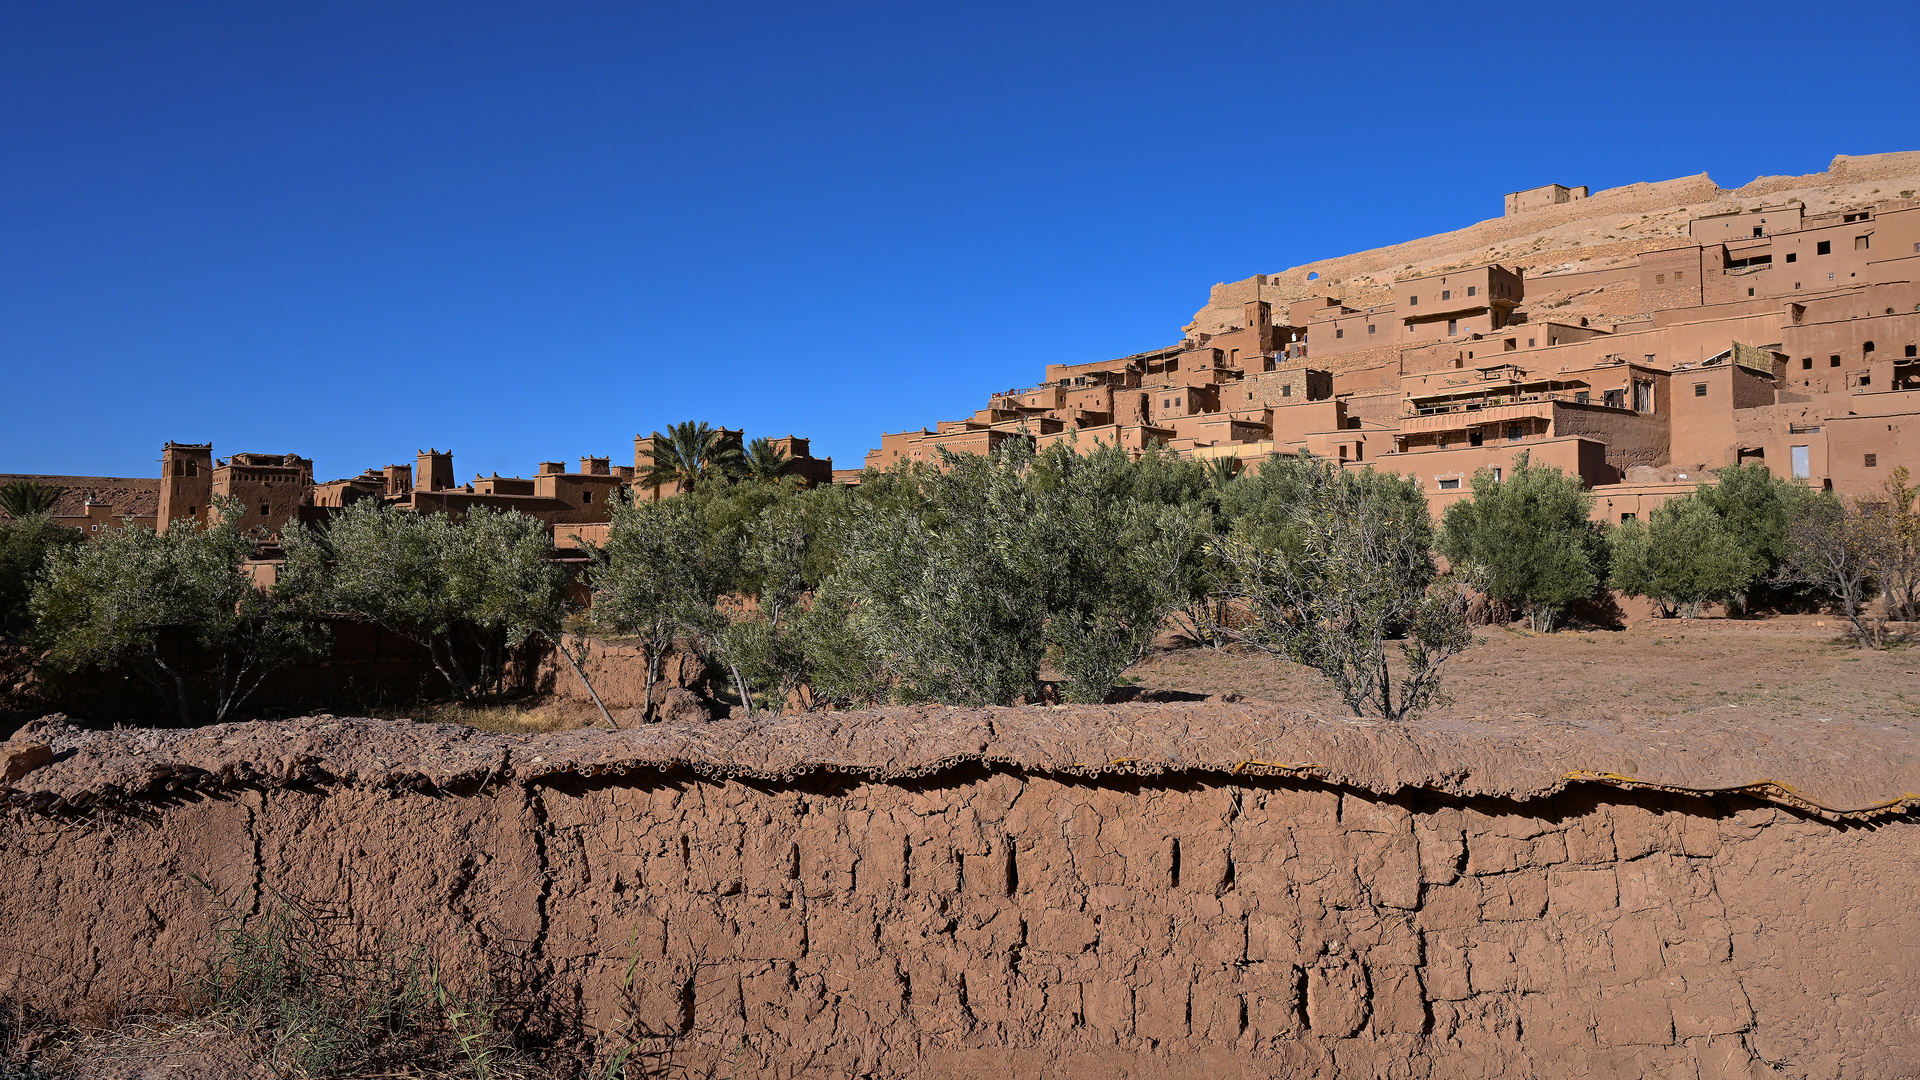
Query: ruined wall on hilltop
x,y
985,920
1604,232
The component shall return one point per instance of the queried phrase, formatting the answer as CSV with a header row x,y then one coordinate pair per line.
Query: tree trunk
x,y
740,685
561,648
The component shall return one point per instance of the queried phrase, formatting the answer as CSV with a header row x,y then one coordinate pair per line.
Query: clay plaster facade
x,y
1768,335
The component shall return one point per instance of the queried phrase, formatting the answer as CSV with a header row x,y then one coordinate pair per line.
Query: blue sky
x,y
530,231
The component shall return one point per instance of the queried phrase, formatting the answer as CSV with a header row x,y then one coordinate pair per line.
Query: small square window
x,y
1793,256
1866,380
1413,301
1824,247
1473,290
1450,485
1757,231
1370,328
1446,294
586,497
1829,277
1833,361
1860,242
1626,517
1749,292
1339,333
1529,343
1678,275
1910,350
263,509
1873,461
1286,391
1866,346
1699,389
1806,363
1453,326
1659,279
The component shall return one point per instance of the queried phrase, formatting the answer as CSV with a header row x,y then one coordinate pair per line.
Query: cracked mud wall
x,y
988,921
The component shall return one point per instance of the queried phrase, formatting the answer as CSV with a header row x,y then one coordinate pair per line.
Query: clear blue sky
x,y
530,231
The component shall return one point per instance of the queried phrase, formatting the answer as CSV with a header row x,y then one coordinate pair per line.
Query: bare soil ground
x,y
1785,668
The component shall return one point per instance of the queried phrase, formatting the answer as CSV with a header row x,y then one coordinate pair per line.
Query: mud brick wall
x,y
990,921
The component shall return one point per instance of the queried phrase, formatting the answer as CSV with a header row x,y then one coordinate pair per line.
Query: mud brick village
x,y
1486,655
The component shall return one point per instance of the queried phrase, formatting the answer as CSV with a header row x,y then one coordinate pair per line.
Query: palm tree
x,y
23,497
689,453
766,463
1221,471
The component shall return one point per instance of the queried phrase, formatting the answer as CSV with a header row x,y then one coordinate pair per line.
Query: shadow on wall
x,y
367,671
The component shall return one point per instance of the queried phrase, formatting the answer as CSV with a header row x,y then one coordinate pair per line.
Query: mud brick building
x,y
1734,327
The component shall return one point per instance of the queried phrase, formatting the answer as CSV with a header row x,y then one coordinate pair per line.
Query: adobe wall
x,y
979,917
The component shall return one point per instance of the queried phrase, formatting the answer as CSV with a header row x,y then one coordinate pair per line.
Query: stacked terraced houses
x,y
1714,328
1769,333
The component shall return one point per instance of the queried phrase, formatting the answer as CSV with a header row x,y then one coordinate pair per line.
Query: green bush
x,y
1682,557
469,590
1529,539
176,609
1331,565
26,543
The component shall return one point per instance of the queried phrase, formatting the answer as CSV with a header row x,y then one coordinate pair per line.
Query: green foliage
x,y
955,584
319,1009
765,463
689,454
176,609
470,591
1529,539
665,565
1112,563
1895,522
1333,566
26,543
24,498
949,592
1683,557
1835,548
1758,508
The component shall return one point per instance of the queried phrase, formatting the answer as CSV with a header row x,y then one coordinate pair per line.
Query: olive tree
x,y
1834,547
944,587
1757,509
177,609
1682,557
1112,562
1336,568
1895,520
660,575
470,591
1528,537
762,646
26,543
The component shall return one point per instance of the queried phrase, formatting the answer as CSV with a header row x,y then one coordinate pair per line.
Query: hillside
x,y
1608,229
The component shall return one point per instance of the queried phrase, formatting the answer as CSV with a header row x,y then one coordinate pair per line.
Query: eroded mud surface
x,y
1113,891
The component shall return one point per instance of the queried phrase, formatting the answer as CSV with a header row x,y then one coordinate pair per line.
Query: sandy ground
x,y
1782,668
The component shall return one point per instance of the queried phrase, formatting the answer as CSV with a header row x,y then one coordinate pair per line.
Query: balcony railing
x,y
1507,399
